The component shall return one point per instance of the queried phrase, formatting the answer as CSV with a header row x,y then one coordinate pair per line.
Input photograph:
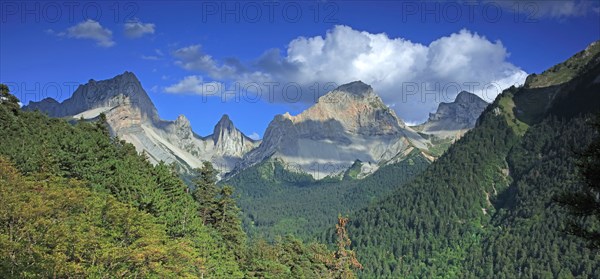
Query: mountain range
x,y
462,195
488,207
132,116
347,124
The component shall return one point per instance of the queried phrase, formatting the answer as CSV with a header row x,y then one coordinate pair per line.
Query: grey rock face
x,y
96,94
453,119
465,109
357,109
229,141
347,124
131,116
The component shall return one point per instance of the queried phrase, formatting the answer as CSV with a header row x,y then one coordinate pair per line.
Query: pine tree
x,y
8,99
227,218
205,192
102,123
586,201
345,259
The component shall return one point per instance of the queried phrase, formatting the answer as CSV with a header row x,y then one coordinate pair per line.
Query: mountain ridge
x,y
485,208
95,94
347,124
453,119
132,116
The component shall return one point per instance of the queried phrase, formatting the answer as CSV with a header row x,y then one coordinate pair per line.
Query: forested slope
x,y
276,201
487,207
78,203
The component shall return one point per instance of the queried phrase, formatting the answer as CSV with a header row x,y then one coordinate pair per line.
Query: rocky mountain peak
x,y
49,100
132,116
347,124
182,121
453,119
465,97
101,94
223,129
224,124
356,87
124,77
353,107
230,141
356,91
465,109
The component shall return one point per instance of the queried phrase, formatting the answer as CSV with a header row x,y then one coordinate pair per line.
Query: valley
x,y
300,139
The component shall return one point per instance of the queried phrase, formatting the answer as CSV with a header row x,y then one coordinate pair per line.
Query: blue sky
x,y
190,55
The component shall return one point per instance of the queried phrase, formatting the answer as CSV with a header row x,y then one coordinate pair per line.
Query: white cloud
x,y
254,136
158,55
193,58
411,123
195,85
412,76
550,8
89,29
136,29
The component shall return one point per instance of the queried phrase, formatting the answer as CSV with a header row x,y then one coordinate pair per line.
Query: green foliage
x,y
288,257
506,104
218,209
205,192
426,227
89,205
345,259
526,236
7,99
275,201
566,70
227,219
439,145
58,228
353,171
42,147
486,208
585,202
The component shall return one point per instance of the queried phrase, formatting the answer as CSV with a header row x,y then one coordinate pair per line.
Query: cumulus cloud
x,y
91,30
194,85
136,29
411,76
